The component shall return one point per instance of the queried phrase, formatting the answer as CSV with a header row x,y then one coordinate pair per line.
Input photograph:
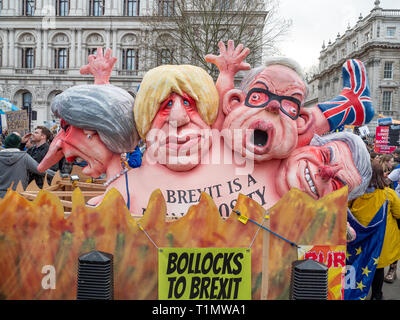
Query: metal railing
x,y
391,12
23,71
58,71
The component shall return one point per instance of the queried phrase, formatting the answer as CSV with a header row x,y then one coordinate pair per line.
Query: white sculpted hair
x,y
359,153
278,60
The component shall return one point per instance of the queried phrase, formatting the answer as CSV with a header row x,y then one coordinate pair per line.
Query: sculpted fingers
x,y
85,69
108,53
91,58
211,58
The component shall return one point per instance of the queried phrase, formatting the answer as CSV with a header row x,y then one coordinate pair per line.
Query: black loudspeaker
x,y
95,276
309,280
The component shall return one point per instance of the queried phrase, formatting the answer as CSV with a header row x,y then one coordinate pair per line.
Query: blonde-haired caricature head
x,y
160,82
174,110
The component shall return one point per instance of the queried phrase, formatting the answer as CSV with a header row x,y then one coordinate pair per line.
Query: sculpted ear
x,y
311,121
233,99
305,128
304,121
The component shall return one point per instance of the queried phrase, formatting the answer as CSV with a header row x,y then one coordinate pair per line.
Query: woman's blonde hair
x,y
160,82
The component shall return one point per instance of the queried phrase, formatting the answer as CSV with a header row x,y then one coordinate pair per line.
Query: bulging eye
x,y
293,111
255,97
186,102
169,104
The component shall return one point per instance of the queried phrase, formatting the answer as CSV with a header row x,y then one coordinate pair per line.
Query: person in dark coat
x,y
15,165
40,138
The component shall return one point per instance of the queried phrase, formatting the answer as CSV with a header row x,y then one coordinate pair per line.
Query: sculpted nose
x,y
178,115
273,106
328,172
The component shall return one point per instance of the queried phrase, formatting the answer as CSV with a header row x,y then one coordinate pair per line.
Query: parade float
x,y
236,186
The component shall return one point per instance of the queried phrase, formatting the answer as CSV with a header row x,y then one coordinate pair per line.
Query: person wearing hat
x,y
15,165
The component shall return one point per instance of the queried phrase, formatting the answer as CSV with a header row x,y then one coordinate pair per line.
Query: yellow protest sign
x,y
17,121
204,274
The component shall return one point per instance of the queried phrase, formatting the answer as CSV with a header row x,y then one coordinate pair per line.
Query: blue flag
x,y
6,105
363,253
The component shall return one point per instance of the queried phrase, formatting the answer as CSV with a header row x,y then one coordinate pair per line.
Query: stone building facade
x,y
375,40
43,44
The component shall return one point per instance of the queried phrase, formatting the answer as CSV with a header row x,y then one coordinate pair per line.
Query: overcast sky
x,y
314,21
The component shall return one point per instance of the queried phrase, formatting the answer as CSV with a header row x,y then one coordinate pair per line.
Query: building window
x,y
61,58
94,51
388,70
355,45
166,7
28,7
131,8
27,105
164,56
62,8
1,5
130,59
387,101
367,36
224,4
96,8
391,31
26,100
28,58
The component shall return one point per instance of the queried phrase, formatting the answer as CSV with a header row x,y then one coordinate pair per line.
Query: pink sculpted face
x,y
263,124
73,142
177,137
318,170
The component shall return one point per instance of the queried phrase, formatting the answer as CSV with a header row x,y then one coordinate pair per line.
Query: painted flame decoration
x,y
34,234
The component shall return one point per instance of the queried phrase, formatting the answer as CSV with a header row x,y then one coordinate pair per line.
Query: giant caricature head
x,y
97,123
264,117
174,106
327,164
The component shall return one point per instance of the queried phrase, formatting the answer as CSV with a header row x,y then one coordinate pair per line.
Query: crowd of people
x,y
384,185
20,156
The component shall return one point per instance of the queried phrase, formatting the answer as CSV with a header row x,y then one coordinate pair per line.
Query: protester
x,y
396,155
394,176
364,209
387,162
15,165
40,138
29,144
373,155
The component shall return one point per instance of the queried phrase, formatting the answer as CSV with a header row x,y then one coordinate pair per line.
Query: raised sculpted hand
x,y
230,59
100,66
353,106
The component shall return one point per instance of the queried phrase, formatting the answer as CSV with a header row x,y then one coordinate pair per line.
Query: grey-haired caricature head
x,y
327,164
106,109
97,125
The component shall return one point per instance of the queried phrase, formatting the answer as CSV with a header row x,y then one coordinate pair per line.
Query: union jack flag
x,y
353,106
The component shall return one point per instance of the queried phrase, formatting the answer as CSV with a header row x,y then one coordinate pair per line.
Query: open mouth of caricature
x,y
260,138
310,182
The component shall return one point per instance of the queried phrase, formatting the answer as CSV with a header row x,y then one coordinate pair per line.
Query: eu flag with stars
x,y
363,254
